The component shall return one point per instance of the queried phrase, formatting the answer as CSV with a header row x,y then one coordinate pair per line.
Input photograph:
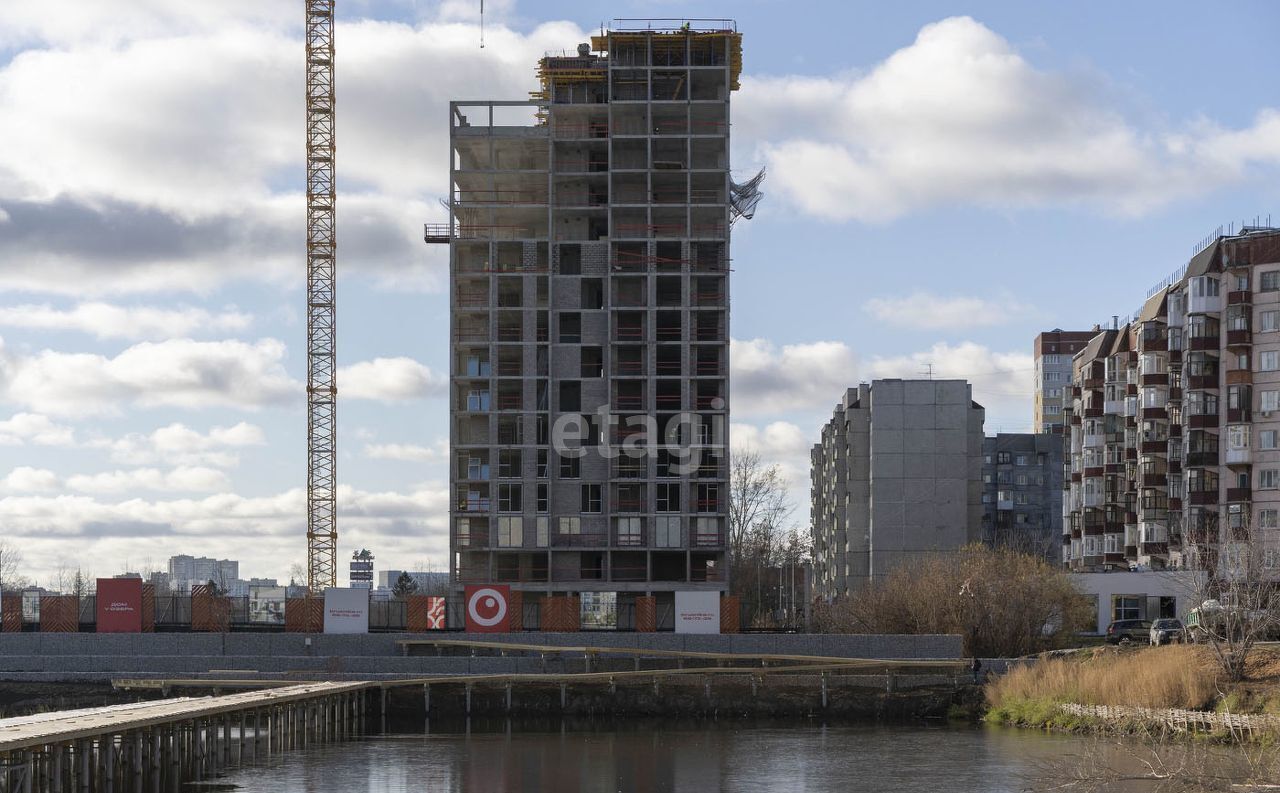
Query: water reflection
x,y
685,757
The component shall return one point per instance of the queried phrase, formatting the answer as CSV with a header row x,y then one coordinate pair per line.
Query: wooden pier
x,y
163,743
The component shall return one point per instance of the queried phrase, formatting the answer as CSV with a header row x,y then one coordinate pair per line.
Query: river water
x,y
694,757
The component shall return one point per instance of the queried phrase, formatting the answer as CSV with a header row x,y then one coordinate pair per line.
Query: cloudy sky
x,y
944,181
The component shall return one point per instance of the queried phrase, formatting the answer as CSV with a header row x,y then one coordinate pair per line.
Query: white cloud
x,y
34,428
97,176
177,372
74,22
797,377
107,321
389,380
178,444
933,312
960,117
407,452
410,524
25,479
184,479
1002,381
781,443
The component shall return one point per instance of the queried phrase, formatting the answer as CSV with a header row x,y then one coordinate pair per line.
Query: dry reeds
x,y
1176,676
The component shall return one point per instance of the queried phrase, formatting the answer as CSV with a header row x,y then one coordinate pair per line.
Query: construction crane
x,y
322,387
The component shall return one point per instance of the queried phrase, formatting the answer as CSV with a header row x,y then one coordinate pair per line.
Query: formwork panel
x,y
304,615
210,613
59,614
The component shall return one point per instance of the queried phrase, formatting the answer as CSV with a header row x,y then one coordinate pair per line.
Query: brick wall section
x,y
416,607
11,612
646,614
59,614
730,614
561,614
304,615
148,608
515,611
210,613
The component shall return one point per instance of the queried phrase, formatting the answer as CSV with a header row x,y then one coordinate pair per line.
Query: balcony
x,y
629,539
1202,420
1239,457
1204,342
1239,415
470,539
593,539
1159,446
1202,497
1239,298
1202,381
1156,379
1154,412
1239,338
1157,479
1239,494
1198,459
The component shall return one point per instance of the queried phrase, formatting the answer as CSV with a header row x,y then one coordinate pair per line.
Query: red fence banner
x,y
119,605
487,607
435,613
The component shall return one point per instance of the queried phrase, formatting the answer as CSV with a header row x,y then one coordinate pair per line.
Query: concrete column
x,y
58,752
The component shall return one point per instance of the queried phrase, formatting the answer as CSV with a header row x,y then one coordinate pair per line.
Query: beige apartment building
x,y
1173,456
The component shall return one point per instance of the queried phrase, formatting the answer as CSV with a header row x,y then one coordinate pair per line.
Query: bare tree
x,y
1238,603
10,564
760,540
1003,603
759,505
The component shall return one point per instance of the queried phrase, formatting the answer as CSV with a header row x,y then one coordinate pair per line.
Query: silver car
x,y
1167,631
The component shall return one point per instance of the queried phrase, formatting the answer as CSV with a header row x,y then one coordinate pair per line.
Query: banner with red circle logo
x,y
487,606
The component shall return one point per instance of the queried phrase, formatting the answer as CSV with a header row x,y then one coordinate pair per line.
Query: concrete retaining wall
x,y
54,657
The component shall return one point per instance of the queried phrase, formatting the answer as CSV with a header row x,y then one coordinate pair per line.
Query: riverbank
x,y
1139,689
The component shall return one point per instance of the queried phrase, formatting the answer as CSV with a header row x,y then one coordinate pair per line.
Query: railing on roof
x,y
1169,280
672,24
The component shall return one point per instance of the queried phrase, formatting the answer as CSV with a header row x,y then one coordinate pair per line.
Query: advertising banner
x,y
346,610
697,612
487,606
119,605
435,613
266,604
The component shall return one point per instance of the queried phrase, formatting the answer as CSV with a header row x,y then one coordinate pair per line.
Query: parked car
x,y
1167,631
1128,631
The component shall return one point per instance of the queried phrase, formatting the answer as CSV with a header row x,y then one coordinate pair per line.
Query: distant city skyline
x,y
940,189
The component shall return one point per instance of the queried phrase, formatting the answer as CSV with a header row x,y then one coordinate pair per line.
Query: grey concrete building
x,y
896,475
1022,493
589,251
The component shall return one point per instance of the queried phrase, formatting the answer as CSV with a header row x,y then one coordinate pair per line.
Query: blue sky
x,y
945,180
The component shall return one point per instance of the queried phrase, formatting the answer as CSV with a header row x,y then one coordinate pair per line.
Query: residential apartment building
x,y
1174,458
589,250
896,475
1022,492
187,571
1053,351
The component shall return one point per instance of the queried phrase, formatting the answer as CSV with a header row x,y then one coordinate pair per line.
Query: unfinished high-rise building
x,y
589,252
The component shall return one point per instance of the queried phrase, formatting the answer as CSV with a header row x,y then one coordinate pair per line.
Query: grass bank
x,y
1177,676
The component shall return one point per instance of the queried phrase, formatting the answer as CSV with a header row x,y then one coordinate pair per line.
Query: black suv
x,y
1129,631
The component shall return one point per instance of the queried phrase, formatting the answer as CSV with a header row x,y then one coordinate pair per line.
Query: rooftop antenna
x,y
928,370
481,24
